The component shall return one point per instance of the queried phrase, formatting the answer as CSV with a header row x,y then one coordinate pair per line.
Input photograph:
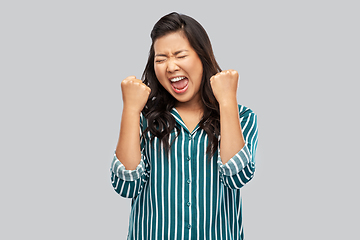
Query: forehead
x,y
171,42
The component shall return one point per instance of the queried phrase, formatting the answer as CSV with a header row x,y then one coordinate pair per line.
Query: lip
x,y
177,90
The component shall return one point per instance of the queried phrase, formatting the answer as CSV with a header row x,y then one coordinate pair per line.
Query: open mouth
x,y
179,84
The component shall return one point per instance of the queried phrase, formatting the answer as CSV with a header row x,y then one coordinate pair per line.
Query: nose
x,y
172,66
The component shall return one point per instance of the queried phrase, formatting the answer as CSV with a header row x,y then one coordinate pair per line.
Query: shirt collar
x,y
179,120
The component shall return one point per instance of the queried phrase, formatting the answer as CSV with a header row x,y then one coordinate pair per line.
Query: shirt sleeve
x,y
129,183
240,169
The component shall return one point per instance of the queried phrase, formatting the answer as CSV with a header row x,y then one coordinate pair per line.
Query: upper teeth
x,y
177,79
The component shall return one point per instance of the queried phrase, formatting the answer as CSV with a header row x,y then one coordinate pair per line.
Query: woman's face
x,y
178,68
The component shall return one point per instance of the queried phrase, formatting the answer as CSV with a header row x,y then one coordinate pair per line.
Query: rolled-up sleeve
x,y
240,169
129,183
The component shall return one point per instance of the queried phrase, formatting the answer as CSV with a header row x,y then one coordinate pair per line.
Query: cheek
x,y
158,71
196,67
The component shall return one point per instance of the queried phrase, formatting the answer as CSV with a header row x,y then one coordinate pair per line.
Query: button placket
x,y
193,202
187,180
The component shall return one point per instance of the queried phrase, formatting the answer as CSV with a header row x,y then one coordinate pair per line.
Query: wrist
x,y
230,102
131,110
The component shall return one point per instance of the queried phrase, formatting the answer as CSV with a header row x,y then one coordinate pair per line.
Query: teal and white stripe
x,y
180,194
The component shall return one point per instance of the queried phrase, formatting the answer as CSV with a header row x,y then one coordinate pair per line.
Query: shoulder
x,y
245,111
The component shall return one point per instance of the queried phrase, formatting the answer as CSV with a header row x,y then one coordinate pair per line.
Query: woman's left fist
x,y
224,85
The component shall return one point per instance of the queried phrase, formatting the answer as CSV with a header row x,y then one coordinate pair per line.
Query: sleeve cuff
x,y
237,163
127,175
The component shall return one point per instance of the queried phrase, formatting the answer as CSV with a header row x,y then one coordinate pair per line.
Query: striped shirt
x,y
180,194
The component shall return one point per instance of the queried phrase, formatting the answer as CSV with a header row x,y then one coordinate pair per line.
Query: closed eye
x,y
160,60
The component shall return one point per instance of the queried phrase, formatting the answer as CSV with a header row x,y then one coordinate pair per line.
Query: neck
x,y
192,106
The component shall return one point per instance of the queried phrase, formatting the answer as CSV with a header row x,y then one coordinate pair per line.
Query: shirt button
x,y
188,158
189,226
188,181
189,204
190,138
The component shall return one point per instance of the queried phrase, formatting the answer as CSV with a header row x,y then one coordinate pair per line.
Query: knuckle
x,y
124,82
129,78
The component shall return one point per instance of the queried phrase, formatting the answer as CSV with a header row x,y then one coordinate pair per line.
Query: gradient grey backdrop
x,y
61,67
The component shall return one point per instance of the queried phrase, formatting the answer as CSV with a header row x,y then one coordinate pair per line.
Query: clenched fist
x,y
134,93
224,86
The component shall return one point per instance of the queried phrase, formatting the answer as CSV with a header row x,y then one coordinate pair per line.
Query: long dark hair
x,y
160,102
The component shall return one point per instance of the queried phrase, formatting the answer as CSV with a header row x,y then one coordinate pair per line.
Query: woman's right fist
x,y
134,93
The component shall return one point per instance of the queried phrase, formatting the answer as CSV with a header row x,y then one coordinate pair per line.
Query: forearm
x,y
128,148
232,140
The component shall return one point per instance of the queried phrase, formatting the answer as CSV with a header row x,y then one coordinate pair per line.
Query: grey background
x,y
61,67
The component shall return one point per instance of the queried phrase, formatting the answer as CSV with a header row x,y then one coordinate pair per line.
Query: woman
x,y
183,179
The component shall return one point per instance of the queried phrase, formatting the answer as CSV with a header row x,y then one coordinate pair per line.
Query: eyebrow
x,y
175,53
